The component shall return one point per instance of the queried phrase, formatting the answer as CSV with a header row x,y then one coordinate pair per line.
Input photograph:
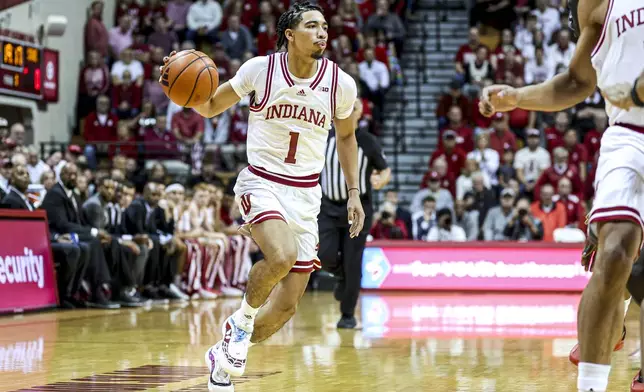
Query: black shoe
x,y
127,299
347,322
338,291
153,295
165,292
102,301
66,304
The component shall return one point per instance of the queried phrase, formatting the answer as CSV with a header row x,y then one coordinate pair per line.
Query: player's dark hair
x,y
290,19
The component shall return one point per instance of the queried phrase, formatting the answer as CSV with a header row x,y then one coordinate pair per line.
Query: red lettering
x,y
322,121
640,16
626,20
287,112
314,117
292,148
294,114
302,115
270,112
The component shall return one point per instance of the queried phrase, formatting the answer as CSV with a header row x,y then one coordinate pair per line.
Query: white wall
x,y
56,122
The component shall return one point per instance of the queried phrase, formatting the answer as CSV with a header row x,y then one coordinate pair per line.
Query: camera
x,y
523,212
147,122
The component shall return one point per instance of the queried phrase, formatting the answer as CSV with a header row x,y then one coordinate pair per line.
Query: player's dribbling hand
x,y
498,98
619,95
165,61
356,213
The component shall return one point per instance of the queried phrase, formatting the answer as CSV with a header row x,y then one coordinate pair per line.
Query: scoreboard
x,y
20,68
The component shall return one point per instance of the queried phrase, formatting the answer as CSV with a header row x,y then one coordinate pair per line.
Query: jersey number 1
x,y
292,148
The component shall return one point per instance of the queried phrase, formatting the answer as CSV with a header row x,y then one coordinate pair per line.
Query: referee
x,y
339,254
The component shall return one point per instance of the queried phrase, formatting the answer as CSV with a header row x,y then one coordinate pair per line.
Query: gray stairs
x,y
434,34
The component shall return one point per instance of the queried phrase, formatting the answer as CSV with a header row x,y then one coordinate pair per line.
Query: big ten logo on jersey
x,y
323,89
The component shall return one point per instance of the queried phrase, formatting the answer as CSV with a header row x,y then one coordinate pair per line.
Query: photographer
x,y
523,226
389,228
444,229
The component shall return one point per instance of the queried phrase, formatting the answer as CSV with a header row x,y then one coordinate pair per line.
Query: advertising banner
x,y
474,267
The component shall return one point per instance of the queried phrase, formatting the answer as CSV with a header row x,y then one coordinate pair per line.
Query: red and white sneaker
x,y
234,348
207,294
218,380
574,353
637,385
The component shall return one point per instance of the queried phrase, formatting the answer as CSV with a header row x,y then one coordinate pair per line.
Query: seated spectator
x,y
127,63
264,16
48,180
162,37
423,221
94,81
150,12
96,34
592,139
389,22
531,160
177,13
575,211
126,144
100,127
464,181
453,97
350,14
35,166
501,138
380,49
374,77
120,36
388,227
187,126
505,50
16,197
483,198
237,39
266,38
153,92
559,169
479,121
577,154
547,18
555,134
523,226
203,20
466,53
126,97
561,52
498,217
442,196
506,171
17,134
453,155
480,69
466,220
81,191
402,213
508,70
159,142
552,215
464,134
524,35
487,158
446,179
130,8
445,229
538,70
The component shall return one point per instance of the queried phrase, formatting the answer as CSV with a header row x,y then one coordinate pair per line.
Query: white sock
x,y
592,377
245,316
627,302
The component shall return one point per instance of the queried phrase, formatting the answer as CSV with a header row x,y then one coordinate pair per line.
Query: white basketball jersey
x,y
290,118
619,54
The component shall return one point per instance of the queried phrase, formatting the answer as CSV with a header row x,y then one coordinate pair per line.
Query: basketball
x,y
190,78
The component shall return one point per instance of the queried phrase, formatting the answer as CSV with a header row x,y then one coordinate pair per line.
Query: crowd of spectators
x,y
520,175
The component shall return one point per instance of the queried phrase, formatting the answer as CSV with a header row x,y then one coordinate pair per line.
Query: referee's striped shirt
x,y
370,157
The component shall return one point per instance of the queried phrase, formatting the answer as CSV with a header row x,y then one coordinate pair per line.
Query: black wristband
x,y
635,97
350,189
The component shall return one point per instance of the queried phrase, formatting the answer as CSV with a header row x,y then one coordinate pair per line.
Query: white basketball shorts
x,y
619,185
263,195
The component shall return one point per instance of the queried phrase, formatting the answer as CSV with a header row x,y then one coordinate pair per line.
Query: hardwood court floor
x,y
410,342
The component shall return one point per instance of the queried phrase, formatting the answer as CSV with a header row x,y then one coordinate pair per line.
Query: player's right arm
x,y
564,90
223,99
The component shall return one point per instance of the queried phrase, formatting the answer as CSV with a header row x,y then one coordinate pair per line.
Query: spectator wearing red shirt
x,y
575,211
96,35
100,127
389,227
94,79
557,171
552,215
126,97
464,134
235,150
379,49
125,144
152,11
453,156
453,97
501,138
266,39
554,135
479,120
521,119
592,141
188,126
577,153
446,179
159,143
505,50
466,53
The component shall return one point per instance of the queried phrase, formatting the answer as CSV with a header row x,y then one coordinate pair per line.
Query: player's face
x,y
311,36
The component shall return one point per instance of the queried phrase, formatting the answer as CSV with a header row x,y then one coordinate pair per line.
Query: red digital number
x,y
37,79
292,148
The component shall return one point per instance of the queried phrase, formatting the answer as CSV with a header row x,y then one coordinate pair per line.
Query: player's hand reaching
x,y
619,95
165,61
498,98
356,213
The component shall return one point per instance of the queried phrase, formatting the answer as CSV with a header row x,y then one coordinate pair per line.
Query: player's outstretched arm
x,y
223,99
564,90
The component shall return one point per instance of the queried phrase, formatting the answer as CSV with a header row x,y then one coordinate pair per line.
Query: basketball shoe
x,y
637,385
233,351
218,379
574,353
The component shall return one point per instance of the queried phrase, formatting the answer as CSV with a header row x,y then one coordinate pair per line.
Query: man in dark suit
x,y
121,252
139,219
69,259
63,213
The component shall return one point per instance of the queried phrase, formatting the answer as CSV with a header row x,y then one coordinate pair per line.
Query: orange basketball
x,y
190,78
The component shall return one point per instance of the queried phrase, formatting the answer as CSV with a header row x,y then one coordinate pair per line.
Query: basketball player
x,y
608,54
295,96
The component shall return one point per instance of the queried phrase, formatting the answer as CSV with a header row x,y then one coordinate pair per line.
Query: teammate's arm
x,y
564,90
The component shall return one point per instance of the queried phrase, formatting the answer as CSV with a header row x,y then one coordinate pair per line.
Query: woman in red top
x,y
126,97
521,119
93,81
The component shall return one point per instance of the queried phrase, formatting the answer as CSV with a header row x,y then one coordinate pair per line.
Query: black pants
x,y
71,264
161,267
340,254
98,272
120,261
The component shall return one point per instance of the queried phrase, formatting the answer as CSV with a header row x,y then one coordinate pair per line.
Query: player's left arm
x,y
347,145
